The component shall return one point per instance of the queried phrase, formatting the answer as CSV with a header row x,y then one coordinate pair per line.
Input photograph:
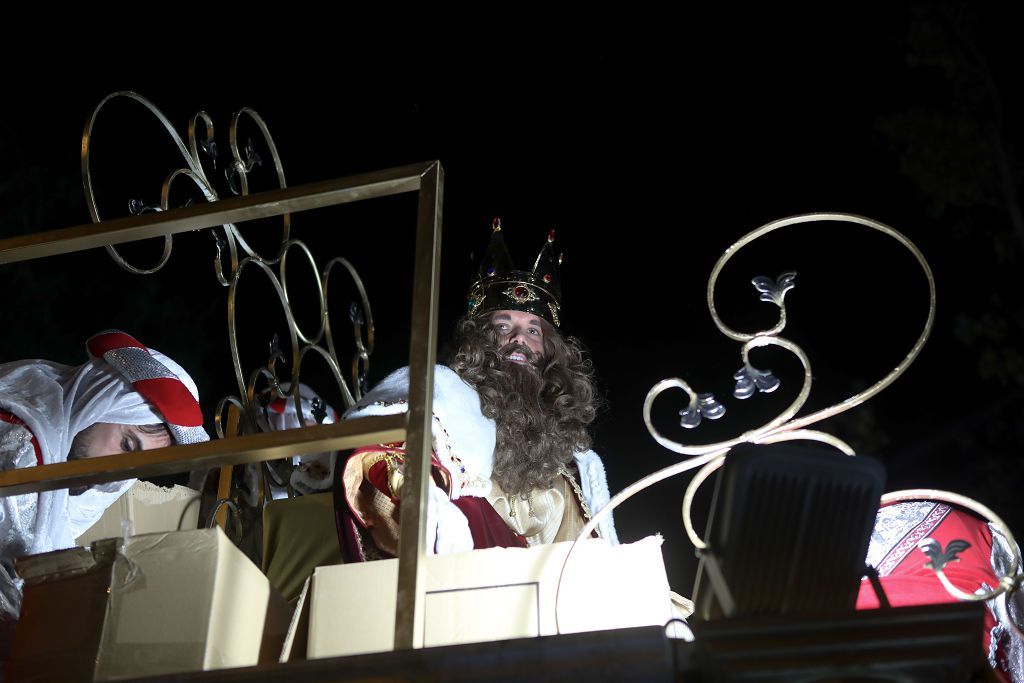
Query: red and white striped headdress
x,y
161,387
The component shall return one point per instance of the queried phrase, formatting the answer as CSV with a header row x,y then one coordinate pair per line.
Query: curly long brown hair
x,y
541,410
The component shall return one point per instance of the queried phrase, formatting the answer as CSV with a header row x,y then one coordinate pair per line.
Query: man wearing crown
x,y
512,465
126,398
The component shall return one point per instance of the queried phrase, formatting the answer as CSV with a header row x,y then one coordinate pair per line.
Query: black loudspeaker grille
x,y
791,527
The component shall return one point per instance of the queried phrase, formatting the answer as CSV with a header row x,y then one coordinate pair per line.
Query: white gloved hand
x,y
447,528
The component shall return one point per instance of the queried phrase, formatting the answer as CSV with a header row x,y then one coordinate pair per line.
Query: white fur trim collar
x,y
594,483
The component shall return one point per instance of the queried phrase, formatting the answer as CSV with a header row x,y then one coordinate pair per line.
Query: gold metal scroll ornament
x,y
787,426
243,257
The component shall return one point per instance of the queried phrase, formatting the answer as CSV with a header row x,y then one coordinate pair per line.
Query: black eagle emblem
x,y
939,558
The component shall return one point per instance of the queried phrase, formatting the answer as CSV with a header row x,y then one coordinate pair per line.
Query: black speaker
x,y
788,533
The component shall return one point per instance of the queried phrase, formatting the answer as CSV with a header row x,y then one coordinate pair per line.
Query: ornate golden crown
x,y
499,286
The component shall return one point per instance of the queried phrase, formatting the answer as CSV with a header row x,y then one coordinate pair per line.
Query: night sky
x,y
650,147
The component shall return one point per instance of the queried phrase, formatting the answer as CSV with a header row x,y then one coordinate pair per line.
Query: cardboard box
x,y
146,508
165,603
492,594
62,613
183,601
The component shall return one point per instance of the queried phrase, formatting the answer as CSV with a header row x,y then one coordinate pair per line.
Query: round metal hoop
x,y
314,339
87,183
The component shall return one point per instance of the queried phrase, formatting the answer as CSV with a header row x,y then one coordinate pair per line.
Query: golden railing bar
x,y
224,472
422,355
232,451
413,427
207,215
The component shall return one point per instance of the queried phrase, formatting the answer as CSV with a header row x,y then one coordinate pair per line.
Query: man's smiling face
x,y
517,327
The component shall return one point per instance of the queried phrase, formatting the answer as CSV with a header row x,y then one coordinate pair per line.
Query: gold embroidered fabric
x,y
545,516
392,461
375,510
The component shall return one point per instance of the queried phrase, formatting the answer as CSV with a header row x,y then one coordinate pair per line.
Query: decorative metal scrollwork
x,y
787,426
236,174
751,380
242,258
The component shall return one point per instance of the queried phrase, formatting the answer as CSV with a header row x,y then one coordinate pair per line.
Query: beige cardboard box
x,y
169,602
493,594
146,508
183,601
62,613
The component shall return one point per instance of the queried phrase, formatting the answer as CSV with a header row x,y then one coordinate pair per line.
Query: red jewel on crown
x,y
520,294
547,278
551,235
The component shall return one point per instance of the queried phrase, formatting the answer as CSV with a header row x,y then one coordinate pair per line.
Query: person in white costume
x,y
512,459
312,472
125,398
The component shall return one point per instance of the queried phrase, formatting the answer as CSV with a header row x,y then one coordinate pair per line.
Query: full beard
x,y
541,409
528,451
